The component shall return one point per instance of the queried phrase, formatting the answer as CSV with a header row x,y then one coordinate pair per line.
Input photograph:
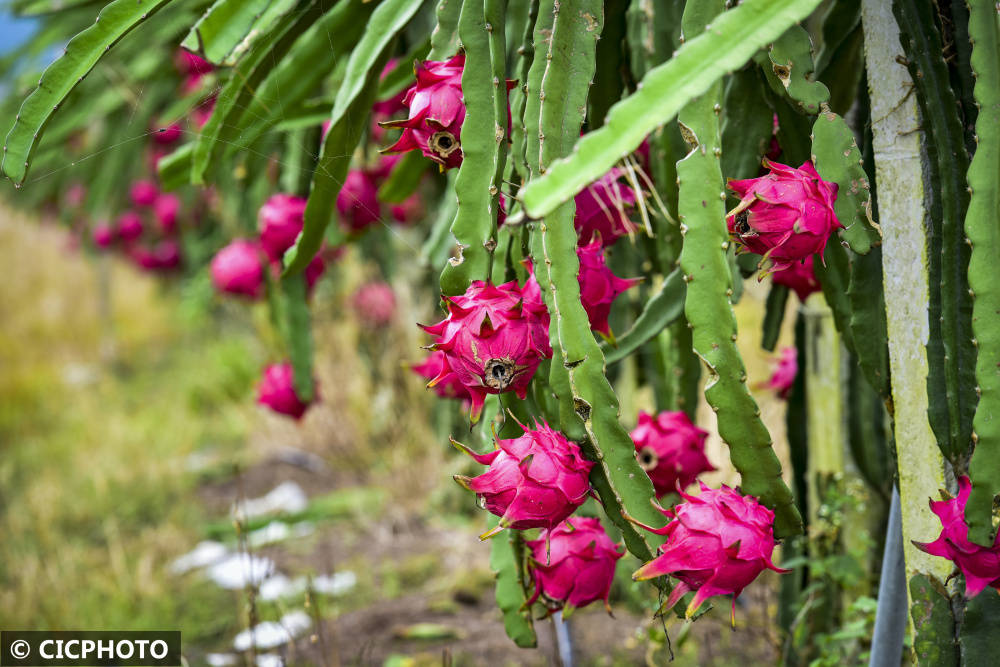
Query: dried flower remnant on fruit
x,y
671,450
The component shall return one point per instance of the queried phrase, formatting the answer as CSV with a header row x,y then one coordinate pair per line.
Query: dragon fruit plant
x,y
573,565
534,481
671,450
276,391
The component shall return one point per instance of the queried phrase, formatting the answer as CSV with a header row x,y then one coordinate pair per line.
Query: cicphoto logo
x,y
98,648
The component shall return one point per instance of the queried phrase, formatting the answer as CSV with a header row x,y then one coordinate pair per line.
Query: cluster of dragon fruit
x,y
494,337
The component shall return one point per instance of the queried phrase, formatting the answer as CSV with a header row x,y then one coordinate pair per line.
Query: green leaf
x,y
57,82
223,26
933,623
174,170
792,65
404,178
298,334
506,561
444,39
774,315
350,116
734,37
662,309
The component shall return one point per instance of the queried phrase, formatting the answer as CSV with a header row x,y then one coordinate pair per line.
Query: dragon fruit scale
x,y
980,565
798,277
492,339
436,112
717,543
599,287
238,269
276,390
573,565
671,450
280,222
534,481
435,366
785,215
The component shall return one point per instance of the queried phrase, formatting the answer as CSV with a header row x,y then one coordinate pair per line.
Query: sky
x,y
13,31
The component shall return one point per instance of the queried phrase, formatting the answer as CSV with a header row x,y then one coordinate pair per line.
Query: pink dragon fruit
x,y
717,543
408,210
783,378
491,341
314,270
143,193
357,202
434,366
75,195
671,450
167,135
980,565
165,210
203,112
599,287
191,63
280,222
166,255
799,276
277,391
573,565
786,215
534,481
436,112
103,235
774,148
129,226
375,304
601,210
238,269
394,104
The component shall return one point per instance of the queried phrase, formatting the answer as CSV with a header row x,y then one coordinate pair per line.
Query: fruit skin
x,y
573,564
717,543
601,210
375,304
357,201
980,565
671,450
599,287
493,340
103,235
167,135
436,112
798,277
534,481
165,209
129,227
143,193
239,269
280,222
783,378
277,391
785,215
447,386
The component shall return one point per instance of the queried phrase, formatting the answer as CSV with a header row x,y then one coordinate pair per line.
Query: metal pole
x,y
890,616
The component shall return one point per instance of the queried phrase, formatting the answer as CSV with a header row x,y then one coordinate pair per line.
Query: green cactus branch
x,y
790,69
228,25
982,226
703,260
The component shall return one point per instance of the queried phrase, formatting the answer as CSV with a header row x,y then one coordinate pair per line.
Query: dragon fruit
x,y
280,222
129,226
573,565
394,104
980,565
799,277
785,215
671,450
165,210
75,195
783,377
601,210
238,269
436,112
408,210
103,235
167,135
375,304
277,391
357,201
717,543
143,193
534,481
492,342
436,365
599,287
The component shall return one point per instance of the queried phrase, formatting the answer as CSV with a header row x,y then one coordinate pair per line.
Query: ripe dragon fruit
x,y
239,269
143,193
783,378
601,210
599,287
786,215
717,543
167,135
129,226
277,391
280,222
980,565
493,340
103,235
573,565
436,112
165,210
375,304
357,201
671,450
799,277
534,481
447,386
